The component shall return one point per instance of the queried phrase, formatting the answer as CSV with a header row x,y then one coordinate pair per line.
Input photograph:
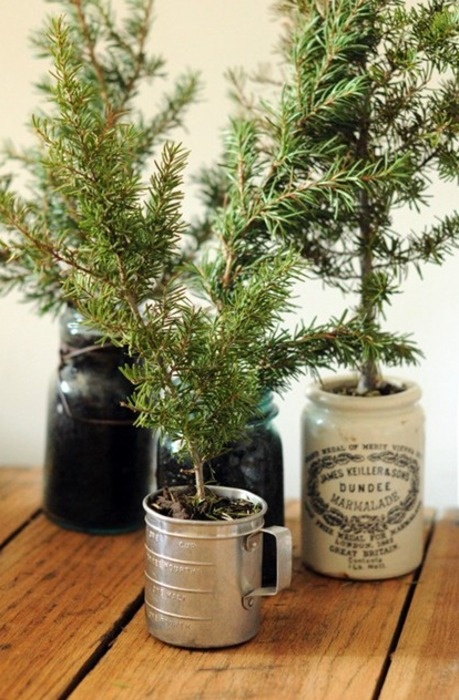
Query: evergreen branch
x,y
356,131
91,47
98,70
337,343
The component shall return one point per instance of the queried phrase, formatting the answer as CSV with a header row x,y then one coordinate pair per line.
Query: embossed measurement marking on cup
x,y
168,597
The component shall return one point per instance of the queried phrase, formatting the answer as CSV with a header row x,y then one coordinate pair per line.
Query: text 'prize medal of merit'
x,y
361,499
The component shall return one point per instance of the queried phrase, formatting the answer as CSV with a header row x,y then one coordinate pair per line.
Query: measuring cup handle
x,y
283,538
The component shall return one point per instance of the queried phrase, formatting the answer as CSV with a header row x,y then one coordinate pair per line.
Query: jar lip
x,y
74,331
322,393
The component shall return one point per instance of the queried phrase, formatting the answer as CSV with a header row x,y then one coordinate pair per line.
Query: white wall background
x,y
212,35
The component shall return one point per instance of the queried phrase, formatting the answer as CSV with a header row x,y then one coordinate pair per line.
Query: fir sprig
x,y
366,108
99,66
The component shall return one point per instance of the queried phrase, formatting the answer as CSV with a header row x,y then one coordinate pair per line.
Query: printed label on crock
x,y
362,496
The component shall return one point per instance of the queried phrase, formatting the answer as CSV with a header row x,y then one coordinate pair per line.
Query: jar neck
x,y
74,333
266,410
81,346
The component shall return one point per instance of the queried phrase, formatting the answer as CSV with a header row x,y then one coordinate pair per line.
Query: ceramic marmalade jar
x,y
98,465
362,482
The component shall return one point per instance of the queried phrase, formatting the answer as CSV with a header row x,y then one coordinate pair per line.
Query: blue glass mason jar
x,y
254,463
98,466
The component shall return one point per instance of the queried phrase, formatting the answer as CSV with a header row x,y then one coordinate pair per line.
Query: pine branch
x,y
99,67
356,130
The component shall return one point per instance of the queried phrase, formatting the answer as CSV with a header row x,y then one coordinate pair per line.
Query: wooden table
x,y
72,623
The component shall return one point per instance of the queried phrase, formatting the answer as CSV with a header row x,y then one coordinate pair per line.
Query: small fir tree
x,y
367,101
202,366
209,336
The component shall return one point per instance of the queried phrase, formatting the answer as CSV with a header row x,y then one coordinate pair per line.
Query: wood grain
x,y
20,498
322,638
72,623
61,595
425,664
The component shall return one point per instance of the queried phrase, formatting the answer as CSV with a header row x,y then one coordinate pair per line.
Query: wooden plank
x,y
20,498
61,594
322,639
425,664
